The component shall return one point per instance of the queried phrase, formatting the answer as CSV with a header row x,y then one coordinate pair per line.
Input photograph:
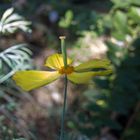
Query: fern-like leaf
x,y
17,57
10,22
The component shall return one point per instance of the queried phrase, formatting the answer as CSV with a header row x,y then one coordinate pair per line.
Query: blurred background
x,y
107,109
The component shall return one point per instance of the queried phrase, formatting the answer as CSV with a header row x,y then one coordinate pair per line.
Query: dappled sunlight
x,y
102,69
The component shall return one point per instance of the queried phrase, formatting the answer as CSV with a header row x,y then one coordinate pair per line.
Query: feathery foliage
x,y
15,58
11,22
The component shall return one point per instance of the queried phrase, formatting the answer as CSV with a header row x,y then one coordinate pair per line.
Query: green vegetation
x,y
109,107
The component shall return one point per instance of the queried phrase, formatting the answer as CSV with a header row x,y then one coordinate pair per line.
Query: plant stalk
x,y
64,54
64,110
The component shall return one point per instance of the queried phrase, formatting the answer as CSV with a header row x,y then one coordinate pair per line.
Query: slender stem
x,y
64,53
64,109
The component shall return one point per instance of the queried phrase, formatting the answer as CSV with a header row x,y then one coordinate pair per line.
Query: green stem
x,y
64,110
64,53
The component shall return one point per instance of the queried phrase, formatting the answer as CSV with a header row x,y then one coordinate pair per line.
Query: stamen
x,y
67,70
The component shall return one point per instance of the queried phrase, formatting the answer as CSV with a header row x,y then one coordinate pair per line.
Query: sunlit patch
x,y
67,70
101,103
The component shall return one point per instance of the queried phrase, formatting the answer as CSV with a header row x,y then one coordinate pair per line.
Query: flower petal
x,y
85,77
93,64
80,78
55,61
31,79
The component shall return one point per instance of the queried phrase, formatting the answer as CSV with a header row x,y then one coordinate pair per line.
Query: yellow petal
x,y
31,79
93,64
85,77
103,72
55,61
80,78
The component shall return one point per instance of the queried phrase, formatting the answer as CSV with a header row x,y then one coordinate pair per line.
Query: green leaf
x,y
67,20
120,21
120,4
134,14
137,2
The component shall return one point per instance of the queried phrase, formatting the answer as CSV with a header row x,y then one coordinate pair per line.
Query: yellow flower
x,y
31,79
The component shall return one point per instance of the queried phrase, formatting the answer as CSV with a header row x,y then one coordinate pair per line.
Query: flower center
x,y
67,70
